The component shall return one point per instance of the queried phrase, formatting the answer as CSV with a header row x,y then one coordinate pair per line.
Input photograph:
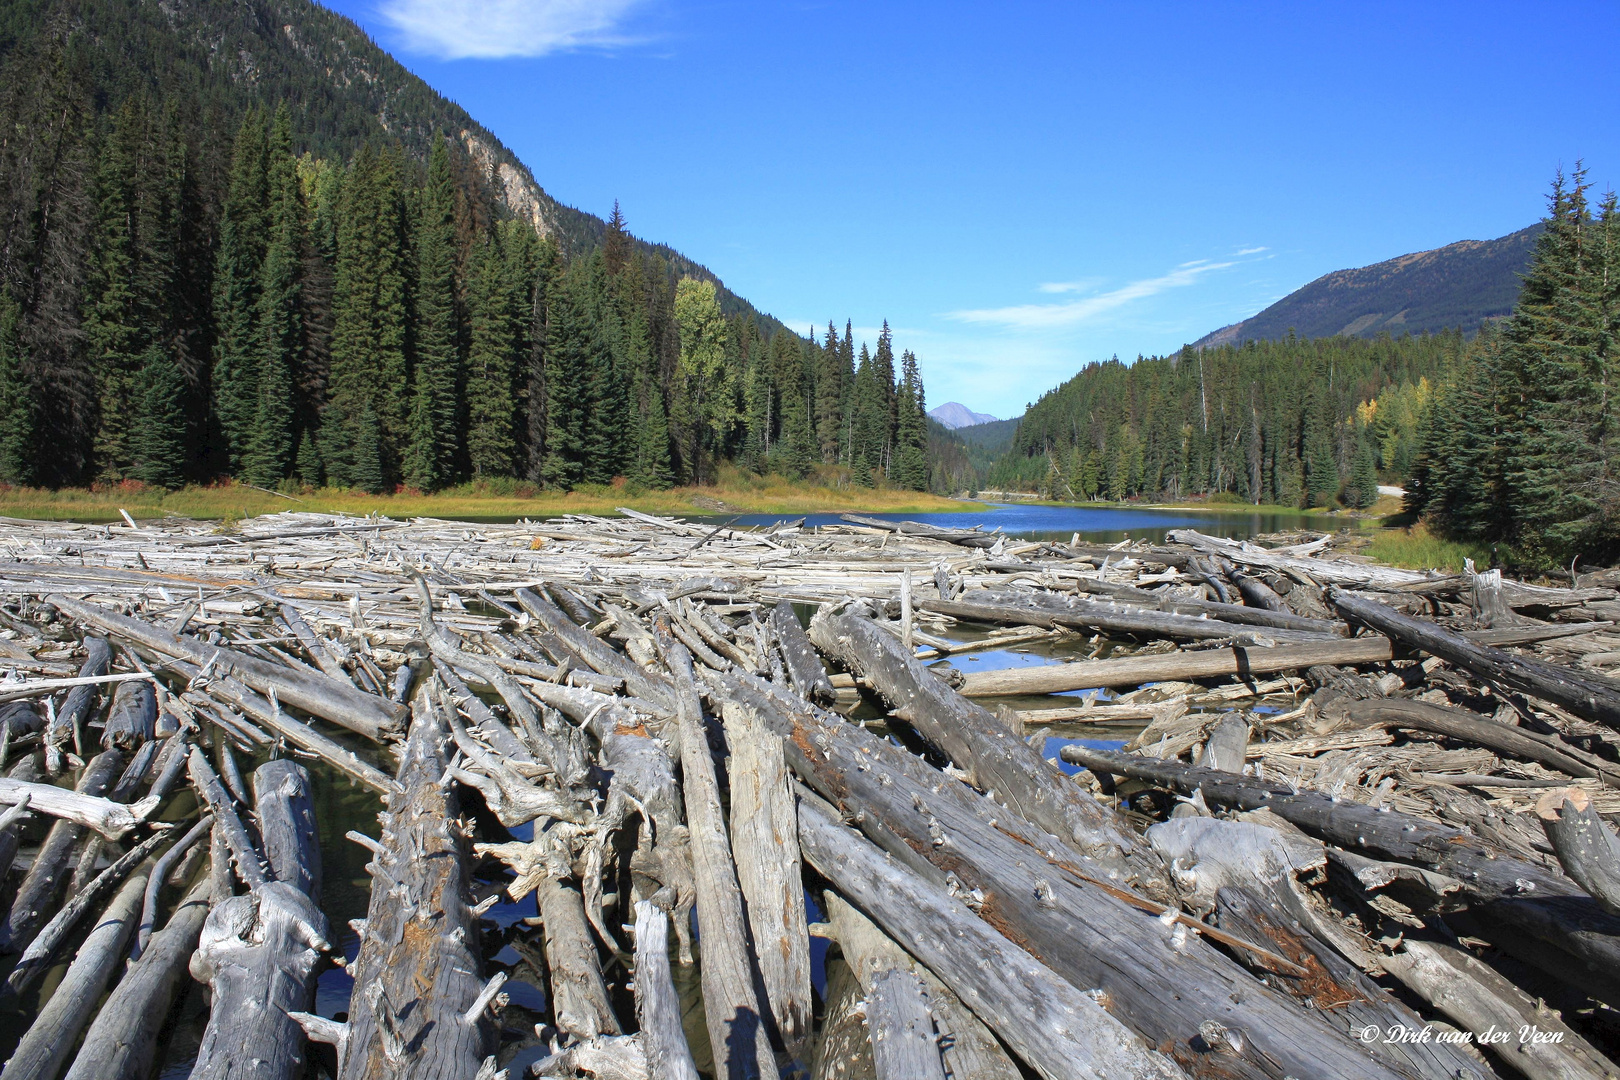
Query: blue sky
x,y
1023,188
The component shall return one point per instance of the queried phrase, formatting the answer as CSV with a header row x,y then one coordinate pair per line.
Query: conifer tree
x,y
881,452
911,428
572,340
242,243
797,449
702,363
491,361
267,457
17,428
830,391
431,450
367,452
158,443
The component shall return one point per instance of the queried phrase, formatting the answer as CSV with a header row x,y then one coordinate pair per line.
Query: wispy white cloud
x,y
1068,286
1252,251
490,29
1074,312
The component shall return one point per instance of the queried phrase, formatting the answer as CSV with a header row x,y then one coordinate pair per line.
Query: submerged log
x,y
1175,667
996,759
1588,696
132,717
658,1005
48,1044
417,973
80,699
1055,1027
315,692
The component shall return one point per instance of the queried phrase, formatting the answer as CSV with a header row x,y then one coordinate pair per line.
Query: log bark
x,y
314,692
37,894
658,1005
1586,847
803,665
579,996
1175,667
1546,906
997,760
738,1034
48,1044
904,1043
1588,696
122,1041
1055,1027
418,969
1158,977
1477,999
763,828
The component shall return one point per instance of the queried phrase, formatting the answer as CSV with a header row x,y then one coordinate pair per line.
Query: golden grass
x,y
1418,549
770,495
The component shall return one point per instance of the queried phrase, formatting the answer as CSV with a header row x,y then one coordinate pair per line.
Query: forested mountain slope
x,y
1456,287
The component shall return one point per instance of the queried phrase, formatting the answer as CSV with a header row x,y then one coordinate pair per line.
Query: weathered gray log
x,y
1055,1027
965,1044
1478,1000
258,951
111,819
249,864
658,1004
1546,906
37,894
160,875
1175,667
415,979
41,952
48,1044
963,537
313,691
312,645
579,996
763,828
641,683
132,717
1591,697
122,1041
1586,847
1159,977
1184,605
904,1043
1459,724
80,699
512,797
844,1050
738,1033
1256,593
1228,745
1114,618
295,731
996,759
803,665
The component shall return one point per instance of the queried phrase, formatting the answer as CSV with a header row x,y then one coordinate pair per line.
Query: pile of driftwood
x,y
1357,831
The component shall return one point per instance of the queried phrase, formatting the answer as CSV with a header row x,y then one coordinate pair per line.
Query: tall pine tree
x,y
431,449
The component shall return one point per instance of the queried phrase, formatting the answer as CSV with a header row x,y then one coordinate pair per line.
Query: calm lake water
x,y
1099,524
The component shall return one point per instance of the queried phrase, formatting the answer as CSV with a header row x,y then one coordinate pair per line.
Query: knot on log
x,y
275,916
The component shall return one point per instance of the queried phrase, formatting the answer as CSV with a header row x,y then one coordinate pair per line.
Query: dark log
x,y
1256,593
418,971
160,876
314,692
1586,847
658,1004
26,770
1158,976
1460,725
799,656
1054,1026
1175,667
76,708
312,645
1591,697
1527,898
249,865
132,718
36,896
844,1050
996,759
48,1044
123,1040
739,1037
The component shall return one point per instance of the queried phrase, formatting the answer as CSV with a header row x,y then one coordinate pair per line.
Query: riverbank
x,y
234,502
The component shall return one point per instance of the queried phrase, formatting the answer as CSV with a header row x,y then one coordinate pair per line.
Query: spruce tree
x,y
366,453
491,410
17,424
702,368
830,391
158,442
237,267
431,450
268,456
911,428
571,341
797,451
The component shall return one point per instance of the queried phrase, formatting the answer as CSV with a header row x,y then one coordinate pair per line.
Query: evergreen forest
x,y
193,286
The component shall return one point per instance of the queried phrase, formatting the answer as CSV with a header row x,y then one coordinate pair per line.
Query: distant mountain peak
x,y
1458,286
953,414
